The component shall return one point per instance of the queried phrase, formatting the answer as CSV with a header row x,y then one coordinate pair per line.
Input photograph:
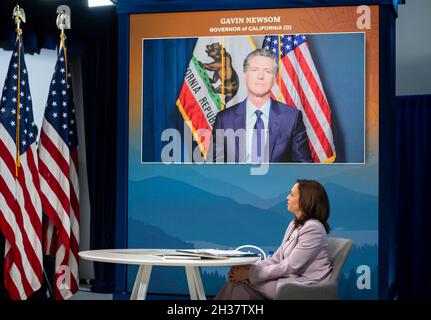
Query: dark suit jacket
x,y
287,136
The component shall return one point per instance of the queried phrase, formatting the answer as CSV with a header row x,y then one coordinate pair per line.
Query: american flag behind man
x,y
58,167
298,85
20,204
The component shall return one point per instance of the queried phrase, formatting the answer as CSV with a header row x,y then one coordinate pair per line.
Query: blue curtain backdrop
x,y
165,63
99,83
412,245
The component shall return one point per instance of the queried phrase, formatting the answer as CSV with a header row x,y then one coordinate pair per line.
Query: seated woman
x,y
302,256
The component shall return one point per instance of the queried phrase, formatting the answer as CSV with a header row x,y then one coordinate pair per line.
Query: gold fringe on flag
x,y
18,122
18,16
63,46
222,73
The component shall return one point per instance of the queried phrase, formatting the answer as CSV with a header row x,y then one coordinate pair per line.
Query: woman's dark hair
x,y
313,202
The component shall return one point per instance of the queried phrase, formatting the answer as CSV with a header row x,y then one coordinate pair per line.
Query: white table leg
x,y
140,286
198,284
191,283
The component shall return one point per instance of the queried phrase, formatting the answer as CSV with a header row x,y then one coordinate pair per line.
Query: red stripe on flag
x,y
74,200
50,211
307,107
287,98
54,152
9,260
35,217
10,234
74,157
321,100
7,157
74,242
15,207
55,186
14,256
12,289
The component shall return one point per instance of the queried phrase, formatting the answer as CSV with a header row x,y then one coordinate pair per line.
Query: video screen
x,y
308,90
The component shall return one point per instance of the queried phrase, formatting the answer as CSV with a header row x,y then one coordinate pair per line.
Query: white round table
x,y
147,258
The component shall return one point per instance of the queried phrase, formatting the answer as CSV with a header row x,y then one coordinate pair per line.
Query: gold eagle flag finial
x,y
18,16
63,21
63,18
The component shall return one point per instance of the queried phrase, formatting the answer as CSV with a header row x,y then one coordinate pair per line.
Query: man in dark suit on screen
x,y
259,129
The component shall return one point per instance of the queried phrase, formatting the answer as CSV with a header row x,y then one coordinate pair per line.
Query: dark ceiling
x,y
40,30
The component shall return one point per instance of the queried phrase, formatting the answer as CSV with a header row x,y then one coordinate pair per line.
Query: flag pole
x,y
18,15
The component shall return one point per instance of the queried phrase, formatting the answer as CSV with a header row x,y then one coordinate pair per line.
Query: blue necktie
x,y
256,148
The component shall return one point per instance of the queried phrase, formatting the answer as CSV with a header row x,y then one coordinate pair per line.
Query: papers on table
x,y
208,254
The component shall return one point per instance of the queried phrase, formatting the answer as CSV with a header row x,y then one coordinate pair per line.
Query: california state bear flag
x,y
213,81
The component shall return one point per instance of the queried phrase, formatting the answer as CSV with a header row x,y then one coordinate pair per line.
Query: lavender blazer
x,y
302,257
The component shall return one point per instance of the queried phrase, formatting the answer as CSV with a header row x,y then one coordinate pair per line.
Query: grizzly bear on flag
x,y
230,81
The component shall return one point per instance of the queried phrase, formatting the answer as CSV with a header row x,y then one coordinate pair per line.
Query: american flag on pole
x,y
20,204
58,167
298,85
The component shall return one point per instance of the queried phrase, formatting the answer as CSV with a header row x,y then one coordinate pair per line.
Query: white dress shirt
x,y
251,118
